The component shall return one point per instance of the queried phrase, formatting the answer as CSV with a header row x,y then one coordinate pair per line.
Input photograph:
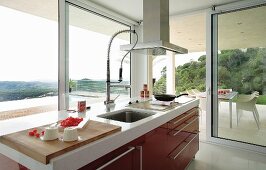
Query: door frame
x,y
211,75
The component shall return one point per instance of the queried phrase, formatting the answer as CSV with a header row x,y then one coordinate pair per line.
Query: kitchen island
x,y
136,138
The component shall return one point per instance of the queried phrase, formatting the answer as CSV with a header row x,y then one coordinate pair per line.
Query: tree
x,y
160,85
239,69
191,75
72,85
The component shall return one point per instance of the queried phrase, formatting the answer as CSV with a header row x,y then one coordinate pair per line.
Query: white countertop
x,y
80,157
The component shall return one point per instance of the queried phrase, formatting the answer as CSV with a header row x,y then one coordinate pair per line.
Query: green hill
x,y
17,90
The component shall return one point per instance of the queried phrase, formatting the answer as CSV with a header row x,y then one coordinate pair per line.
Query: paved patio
x,y
246,131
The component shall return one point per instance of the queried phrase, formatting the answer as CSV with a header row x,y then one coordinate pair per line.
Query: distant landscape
x,y
19,90
98,86
240,70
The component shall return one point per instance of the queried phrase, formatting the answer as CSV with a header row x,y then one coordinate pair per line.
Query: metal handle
x,y
116,158
186,125
140,155
183,117
174,157
120,74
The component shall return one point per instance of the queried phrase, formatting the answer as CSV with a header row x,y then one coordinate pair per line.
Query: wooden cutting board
x,y
44,151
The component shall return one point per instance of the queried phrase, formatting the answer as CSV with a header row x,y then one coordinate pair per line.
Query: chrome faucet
x,y
108,81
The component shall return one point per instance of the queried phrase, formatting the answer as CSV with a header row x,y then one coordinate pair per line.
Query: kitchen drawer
x,y
184,152
182,133
172,145
160,146
170,139
190,125
126,157
174,141
155,150
172,124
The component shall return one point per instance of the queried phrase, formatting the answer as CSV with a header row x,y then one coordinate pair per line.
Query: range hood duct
x,y
156,29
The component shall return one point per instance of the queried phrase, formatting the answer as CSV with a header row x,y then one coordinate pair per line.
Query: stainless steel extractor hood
x,y
156,29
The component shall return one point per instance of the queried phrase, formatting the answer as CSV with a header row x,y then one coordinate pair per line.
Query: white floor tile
x,y
246,131
214,157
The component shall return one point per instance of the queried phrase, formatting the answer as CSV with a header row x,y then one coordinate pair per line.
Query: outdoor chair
x,y
248,103
183,92
202,105
191,93
196,91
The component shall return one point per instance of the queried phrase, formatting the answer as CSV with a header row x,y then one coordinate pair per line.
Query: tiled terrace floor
x,y
246,130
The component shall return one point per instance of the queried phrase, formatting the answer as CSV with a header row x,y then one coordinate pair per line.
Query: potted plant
x,y
72,85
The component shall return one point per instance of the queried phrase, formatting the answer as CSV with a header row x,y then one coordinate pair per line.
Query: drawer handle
x,y
140,154
116,158
174,157
197,117
183,117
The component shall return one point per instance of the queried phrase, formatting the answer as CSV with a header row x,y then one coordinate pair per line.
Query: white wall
x,y
139,65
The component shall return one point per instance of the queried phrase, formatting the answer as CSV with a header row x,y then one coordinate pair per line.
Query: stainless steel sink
x,y
127,116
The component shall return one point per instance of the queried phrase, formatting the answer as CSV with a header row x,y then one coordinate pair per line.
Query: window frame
x,y
63,92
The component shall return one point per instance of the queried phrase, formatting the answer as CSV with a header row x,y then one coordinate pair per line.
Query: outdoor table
x,y
229,97
226,97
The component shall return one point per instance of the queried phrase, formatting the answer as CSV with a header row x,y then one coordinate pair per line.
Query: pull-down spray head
x,y
108,83
121,66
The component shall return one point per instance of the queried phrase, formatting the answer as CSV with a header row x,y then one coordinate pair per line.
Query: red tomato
x,y
37,135
31,133
34,131
71,121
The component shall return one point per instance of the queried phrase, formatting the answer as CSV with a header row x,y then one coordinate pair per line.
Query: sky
x,y
88,55
29,51
28,47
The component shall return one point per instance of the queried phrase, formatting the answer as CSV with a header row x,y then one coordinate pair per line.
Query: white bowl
x,y
70,134
51,133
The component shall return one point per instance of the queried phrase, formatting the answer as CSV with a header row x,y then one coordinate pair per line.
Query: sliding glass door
x,y
237,70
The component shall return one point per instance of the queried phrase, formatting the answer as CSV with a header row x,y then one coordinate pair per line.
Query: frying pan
x,y
167,97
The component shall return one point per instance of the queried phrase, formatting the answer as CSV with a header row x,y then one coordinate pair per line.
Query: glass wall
x,y
190,72
159,74
89,36
29,58
241,72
